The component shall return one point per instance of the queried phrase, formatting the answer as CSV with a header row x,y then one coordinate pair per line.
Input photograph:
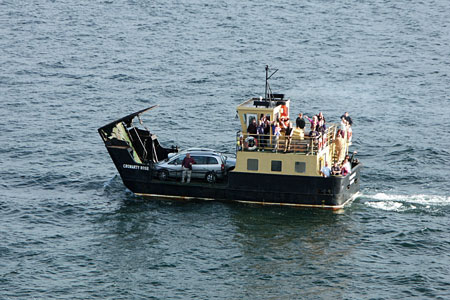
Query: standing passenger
x,y
288,137
339,143
276,129
186,165
347,118
300,123
349,133
344,127
260,130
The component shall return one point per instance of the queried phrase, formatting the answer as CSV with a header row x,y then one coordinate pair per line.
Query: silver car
x,y
209,165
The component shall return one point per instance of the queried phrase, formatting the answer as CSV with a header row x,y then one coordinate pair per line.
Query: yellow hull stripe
x,y
333,207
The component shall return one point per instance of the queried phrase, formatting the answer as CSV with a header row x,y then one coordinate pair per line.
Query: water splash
x,y
393,202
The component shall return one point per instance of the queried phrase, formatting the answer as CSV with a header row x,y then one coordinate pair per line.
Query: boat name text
x,y
136,167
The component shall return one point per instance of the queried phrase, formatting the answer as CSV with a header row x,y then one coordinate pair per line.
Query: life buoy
x,y
284,112
251,143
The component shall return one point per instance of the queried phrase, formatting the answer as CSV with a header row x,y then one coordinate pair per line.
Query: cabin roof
x,y
261,104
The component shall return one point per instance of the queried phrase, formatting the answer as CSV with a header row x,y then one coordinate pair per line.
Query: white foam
x,y
418,199
386,205
393,202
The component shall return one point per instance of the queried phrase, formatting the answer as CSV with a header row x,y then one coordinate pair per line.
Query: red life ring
x,y
284,112
251,143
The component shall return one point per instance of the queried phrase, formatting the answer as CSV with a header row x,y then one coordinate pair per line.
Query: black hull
x,y
307,191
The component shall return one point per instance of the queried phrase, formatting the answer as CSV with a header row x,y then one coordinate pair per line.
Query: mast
x,y
267,83
268,91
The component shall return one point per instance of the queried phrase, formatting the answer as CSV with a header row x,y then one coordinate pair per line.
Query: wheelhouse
x,y
263,153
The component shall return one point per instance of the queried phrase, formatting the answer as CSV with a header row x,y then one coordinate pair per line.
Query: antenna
x,y
268,90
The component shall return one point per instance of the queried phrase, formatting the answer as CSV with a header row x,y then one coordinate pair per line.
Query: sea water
x,y
71,230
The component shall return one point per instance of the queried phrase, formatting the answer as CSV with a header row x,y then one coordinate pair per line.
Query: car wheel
x,y
163,175
211,177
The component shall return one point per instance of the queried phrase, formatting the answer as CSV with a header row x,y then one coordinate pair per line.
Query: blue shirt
x,y
326,171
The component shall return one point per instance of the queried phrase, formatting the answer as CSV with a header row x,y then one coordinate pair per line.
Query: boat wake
x,y
391,202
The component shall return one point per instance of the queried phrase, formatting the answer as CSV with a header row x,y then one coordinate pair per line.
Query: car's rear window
x,y
200,160
212,160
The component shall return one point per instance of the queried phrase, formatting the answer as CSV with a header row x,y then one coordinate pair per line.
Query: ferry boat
x,y
268,170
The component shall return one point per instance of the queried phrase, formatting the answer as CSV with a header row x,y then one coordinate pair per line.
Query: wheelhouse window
x,y
248,118
252,164
300,167
276,165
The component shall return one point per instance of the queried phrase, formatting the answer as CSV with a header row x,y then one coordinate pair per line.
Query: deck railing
x,y
299,144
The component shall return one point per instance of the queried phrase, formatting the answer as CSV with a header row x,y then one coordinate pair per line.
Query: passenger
x,y
299,122
300,127
349,133
335,170
346,167
347,163
344,172
276,130
344,127
321,127
314,122
251,129
325,171
266,132
347,118
240,143
352,159
288,136
339,144
321,117
260,131
186,165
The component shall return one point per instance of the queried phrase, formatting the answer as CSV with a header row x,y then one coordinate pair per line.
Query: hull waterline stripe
x,y
334,207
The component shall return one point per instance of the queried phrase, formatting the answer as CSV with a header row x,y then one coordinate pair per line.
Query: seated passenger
x,y
325,171
347,163
344,171
335,170
346,167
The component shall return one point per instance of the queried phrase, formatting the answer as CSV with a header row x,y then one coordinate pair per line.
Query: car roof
x,y
200,151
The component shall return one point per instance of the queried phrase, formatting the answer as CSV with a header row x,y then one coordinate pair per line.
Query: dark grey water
x,y
69,228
